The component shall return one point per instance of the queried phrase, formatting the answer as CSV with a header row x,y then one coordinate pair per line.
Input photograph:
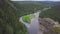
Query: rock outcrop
x,y
47,26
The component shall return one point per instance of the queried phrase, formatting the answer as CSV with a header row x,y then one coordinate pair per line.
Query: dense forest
x,y
9,22
53,13
31,7
28,7
11,11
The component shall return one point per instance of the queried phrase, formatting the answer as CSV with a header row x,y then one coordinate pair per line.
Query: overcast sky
x,y
35,0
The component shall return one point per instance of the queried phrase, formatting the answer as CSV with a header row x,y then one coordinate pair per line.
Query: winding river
x,y
33,27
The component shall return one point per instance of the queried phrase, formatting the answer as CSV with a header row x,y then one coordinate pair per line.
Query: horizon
x,y
37,0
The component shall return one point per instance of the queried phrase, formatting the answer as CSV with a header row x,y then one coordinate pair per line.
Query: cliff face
x,y
47,26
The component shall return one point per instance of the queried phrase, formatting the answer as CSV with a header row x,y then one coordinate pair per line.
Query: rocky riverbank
x,y
48,26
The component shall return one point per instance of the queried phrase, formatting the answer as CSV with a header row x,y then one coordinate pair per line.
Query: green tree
x,y
9,19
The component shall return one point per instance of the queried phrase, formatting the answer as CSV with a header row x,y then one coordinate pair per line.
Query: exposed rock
x,y
47,26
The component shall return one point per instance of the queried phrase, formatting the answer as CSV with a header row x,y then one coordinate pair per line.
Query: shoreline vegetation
x,y
28,18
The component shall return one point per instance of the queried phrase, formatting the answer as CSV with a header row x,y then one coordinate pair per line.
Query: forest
x,y
53,13
9,22
10,11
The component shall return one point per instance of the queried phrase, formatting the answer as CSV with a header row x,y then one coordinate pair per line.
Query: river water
x,y
33,27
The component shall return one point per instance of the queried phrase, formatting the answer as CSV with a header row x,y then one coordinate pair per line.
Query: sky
x,y
35,0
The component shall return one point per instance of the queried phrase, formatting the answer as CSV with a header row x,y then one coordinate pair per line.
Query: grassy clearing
x,y
28,18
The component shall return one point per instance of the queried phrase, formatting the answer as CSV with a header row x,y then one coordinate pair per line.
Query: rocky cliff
x,y
48,26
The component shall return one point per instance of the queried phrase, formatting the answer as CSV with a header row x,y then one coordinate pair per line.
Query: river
x,y
33,27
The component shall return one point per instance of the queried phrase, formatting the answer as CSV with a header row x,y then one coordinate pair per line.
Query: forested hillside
x,y
53,13
28,7
31,7
9,22
11,11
